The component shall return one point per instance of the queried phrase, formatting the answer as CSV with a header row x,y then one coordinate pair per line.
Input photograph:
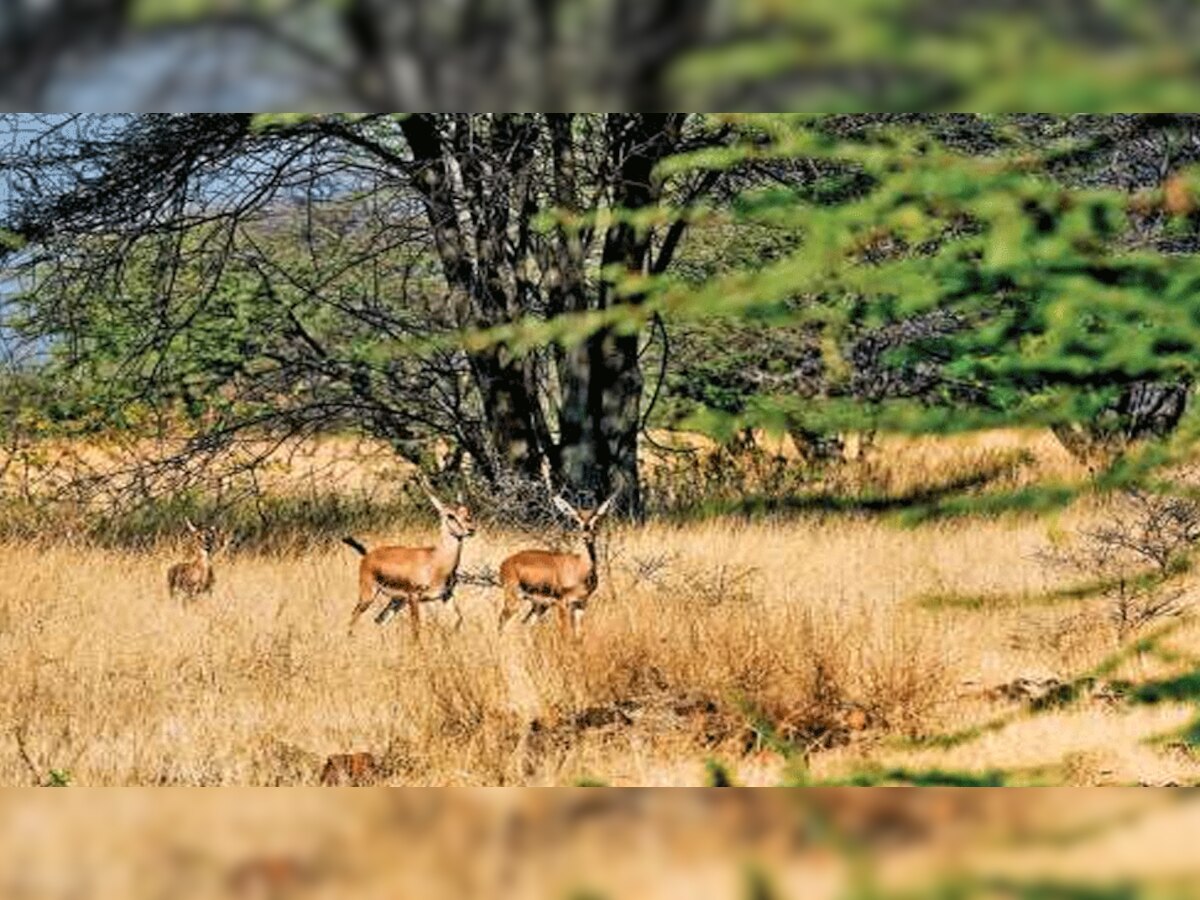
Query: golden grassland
x,y
857,642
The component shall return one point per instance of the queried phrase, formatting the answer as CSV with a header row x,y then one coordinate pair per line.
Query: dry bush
x,y
1141,541
725,668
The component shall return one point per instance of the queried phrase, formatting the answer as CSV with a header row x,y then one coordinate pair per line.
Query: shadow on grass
x,y
1083,590
912,507
1080,591
1070,692
1184,687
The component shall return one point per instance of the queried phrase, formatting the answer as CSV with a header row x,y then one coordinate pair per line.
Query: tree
x,y
495,280
296,272
1135,155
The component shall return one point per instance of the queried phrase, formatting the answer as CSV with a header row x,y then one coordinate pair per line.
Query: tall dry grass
x,y
697,634
110,681
848,639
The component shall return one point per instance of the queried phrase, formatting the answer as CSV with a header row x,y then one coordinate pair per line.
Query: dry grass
x,y
700,633
256,686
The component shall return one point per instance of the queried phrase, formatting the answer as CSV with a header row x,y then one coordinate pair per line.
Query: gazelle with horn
x,y
563,580
414,575
188,580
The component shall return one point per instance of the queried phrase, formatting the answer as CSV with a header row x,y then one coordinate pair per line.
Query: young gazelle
x,y
188,580
414,575
562,580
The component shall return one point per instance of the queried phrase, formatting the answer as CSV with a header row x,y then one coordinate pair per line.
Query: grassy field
x,y
822,646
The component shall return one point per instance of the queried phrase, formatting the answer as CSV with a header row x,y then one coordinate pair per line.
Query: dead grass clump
x,y
811,677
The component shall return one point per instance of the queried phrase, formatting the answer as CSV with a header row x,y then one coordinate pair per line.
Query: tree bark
x,y
477,278
601,379
1145,410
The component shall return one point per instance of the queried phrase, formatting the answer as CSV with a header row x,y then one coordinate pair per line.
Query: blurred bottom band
x,y
599,842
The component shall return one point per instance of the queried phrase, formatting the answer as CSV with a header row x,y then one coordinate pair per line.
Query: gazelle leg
x,y
359,609
414,609
458,616
385,614
577,621
367,592
512,600
563,622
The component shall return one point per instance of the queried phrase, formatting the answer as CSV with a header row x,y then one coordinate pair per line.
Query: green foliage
x,y
1057,314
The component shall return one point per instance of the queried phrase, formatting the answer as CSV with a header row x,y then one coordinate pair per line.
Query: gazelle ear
x,y
567,509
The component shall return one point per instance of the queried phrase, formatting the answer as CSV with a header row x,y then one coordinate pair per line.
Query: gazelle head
x,y
588,520
206,538
456,517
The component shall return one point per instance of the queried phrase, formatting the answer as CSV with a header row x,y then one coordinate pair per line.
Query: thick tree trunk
x,y
1144,410
600,420
476,276
508,406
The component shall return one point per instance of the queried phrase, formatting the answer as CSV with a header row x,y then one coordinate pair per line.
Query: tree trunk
x,y
1144,410
508,408
601,382
477,278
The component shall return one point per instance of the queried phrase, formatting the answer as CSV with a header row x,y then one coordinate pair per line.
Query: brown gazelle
x,y
414,575
188,580
563,580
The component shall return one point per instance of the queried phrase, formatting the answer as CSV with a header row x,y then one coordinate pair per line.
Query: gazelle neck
x,y
450,547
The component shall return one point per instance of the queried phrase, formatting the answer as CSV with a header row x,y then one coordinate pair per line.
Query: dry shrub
x,y
1142,540
811,675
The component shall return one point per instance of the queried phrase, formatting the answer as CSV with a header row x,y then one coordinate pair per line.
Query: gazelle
x,y
190,579
414,575
563,580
